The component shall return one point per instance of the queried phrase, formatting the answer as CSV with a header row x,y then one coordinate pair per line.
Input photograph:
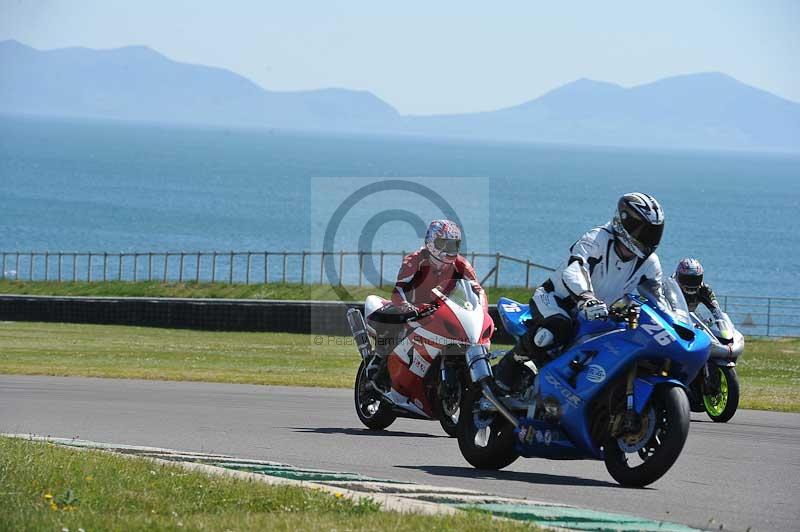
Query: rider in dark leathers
x,y
689,276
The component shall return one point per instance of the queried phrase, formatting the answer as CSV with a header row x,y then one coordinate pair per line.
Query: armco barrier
x,y
305,317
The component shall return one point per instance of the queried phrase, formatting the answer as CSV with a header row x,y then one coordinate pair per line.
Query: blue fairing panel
x,y
513,315
643,388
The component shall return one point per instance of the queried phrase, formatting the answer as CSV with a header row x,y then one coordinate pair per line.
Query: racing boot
x,y
534,346
377,369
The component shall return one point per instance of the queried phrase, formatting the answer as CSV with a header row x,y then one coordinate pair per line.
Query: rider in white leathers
x,y
605,264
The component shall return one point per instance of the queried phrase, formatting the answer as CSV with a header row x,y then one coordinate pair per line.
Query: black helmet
x,y
639,223
689,275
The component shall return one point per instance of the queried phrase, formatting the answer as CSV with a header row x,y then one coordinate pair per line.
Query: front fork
x,y
711,380
630,421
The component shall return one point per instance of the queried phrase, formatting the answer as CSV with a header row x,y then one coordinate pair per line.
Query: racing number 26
x,y
659,334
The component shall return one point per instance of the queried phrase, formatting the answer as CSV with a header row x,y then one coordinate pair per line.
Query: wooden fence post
x,y
247,274
527,274
380,274
769,313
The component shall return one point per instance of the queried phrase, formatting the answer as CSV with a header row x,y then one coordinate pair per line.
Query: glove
x,y
593,309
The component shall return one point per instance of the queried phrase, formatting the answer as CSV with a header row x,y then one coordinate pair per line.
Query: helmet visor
x,y
447,245
647,235
690,283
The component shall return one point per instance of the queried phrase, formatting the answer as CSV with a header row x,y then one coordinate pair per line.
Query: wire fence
x,y
354,268
753,315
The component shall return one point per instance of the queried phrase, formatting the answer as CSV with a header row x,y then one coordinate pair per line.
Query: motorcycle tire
x,y
449,421
374,413
500,450
671,408
722,406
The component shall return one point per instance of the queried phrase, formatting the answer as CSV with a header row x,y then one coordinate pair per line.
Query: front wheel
x,y
374,413
665,426
486,439
722,405
450,409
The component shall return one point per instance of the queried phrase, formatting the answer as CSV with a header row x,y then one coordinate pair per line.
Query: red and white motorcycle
x,y
428,368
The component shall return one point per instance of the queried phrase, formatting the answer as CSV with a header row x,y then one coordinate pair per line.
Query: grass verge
x,y
769,370
46,487
287,291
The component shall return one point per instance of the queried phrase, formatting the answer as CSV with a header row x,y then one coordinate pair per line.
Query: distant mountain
x,y
707,110
137,83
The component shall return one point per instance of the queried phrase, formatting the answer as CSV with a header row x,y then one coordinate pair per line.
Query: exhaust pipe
x,y
358,328
487,393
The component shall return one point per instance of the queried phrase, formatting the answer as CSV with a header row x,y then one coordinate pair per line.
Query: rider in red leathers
x,y
436,264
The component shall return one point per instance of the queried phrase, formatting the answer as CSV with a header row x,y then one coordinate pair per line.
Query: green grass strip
x,y
49,487
287,291
769,369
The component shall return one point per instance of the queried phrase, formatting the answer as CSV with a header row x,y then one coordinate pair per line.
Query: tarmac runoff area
x,y
741,475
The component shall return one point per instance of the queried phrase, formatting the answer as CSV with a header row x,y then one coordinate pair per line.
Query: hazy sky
x,y
436,57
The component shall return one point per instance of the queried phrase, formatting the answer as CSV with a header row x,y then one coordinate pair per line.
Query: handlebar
x,y
628,314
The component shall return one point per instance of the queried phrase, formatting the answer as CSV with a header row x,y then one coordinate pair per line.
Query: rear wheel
x,y
640,459
371,410
722,405
486,439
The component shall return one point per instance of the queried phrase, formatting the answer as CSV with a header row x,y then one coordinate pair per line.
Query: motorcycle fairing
x,y
540,439
604,358
513,315
643,388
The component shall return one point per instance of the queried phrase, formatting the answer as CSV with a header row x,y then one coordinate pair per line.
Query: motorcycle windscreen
x,y
463,295
671,301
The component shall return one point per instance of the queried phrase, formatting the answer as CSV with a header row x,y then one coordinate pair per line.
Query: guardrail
x,y
763,316
248,267
754,315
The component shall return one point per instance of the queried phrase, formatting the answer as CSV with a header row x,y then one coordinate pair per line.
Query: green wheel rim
x,y
715,404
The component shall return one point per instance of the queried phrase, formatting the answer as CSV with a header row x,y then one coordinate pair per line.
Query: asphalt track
x,y
742,475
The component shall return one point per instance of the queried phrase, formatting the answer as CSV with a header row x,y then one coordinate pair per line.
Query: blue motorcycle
x,y
615,394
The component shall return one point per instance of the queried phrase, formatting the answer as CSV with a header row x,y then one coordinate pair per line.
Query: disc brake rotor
x,y
631,442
